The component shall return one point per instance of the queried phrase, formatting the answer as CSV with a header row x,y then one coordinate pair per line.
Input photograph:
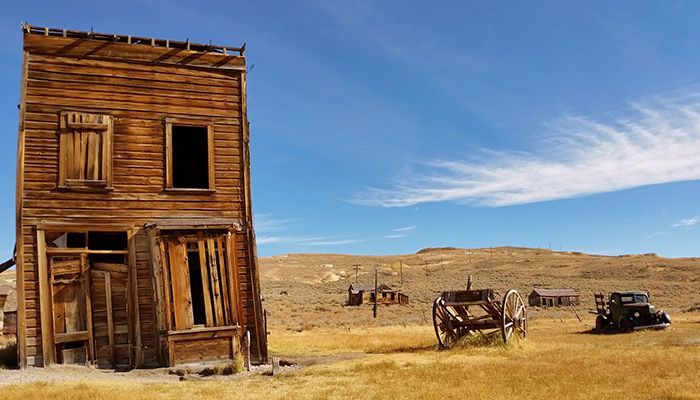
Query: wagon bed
x,y
464,312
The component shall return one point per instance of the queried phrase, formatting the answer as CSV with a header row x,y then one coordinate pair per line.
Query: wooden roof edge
x,y
28,29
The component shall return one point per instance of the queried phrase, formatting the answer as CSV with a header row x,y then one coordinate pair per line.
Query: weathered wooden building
x,y
135,244
359,294
553,297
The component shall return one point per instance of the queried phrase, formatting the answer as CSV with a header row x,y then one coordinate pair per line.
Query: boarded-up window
x,y
85,151
204,288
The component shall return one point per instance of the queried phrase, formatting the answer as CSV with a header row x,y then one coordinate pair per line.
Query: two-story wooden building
x,y
135,243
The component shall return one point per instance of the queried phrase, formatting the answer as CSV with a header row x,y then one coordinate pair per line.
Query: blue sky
x,y
386,127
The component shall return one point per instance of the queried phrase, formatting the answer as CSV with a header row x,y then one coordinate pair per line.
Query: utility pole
x,y
374,307
401,269
357,267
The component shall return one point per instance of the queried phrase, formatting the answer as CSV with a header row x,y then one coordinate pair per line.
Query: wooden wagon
x,y
464,312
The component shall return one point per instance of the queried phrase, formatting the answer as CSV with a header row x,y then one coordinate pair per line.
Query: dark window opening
x,y
107,241
196,288
75,239
190,157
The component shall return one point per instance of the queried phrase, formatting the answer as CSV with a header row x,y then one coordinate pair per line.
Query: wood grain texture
x,y
138,88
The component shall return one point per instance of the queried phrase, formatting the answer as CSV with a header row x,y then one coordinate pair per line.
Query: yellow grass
x,y
558,361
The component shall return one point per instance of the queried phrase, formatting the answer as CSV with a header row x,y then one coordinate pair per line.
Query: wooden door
x,y
71,309
110,317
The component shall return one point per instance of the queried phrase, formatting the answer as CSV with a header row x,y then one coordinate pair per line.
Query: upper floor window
x,y
85,151
189,154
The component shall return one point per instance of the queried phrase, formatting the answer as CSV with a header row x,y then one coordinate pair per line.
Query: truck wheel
x,y
665,318
601,323
624,325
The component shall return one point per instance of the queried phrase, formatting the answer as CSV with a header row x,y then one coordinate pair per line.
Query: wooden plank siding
x,y
138,86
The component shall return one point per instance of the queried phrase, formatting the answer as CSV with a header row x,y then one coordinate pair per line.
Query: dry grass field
x,y
341,352
559,360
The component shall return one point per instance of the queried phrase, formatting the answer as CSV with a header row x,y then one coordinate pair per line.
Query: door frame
x,y
46,292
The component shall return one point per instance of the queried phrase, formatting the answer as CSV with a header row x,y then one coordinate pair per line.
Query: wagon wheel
x,y
444,323
514,316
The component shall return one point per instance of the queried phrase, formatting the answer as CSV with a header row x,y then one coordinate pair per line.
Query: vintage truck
x,y
628,311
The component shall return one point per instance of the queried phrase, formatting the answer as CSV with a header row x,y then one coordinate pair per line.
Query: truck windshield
x,y
634,298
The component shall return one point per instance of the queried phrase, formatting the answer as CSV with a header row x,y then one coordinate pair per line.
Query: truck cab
x,y
630,310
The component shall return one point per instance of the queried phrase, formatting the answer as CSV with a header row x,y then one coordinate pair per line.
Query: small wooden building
x,y
553,297
8,311
135,243
4,292
359,294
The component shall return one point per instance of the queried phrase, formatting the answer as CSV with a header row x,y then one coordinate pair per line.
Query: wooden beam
x,y
19,237
133,291
225,294
254,287
215,283
233,285
159,310
71,337
211,155
66,251
87,285
168,153
45,295
166,284
110,320
206,283
179,273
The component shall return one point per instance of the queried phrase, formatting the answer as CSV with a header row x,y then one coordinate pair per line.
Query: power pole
x,y
401,269
357,267
374,307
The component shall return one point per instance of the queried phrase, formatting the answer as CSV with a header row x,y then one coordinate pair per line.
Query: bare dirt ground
x,y
306,291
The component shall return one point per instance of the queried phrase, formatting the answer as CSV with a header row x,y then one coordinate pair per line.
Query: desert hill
x,y
303,291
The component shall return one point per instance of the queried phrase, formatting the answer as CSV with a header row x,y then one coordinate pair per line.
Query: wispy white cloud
x,y
655,235
687,222
396,236
269,239
405,229
656,141
333,242
269,223
289,239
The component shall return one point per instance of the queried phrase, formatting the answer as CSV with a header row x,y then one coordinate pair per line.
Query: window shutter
x,y
85,155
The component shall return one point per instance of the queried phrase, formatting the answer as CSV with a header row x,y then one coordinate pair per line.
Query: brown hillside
x,y
302,291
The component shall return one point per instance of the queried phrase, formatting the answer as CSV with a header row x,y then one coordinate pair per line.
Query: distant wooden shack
x,y
359,294
135,240
4,291
8,311
553,297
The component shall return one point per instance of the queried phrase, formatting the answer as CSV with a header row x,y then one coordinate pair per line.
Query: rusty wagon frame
x,y
464,312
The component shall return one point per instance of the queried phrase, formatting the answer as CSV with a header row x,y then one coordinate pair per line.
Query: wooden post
x,y
401,269
374,307
247,353
275,366
133,300
45,295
